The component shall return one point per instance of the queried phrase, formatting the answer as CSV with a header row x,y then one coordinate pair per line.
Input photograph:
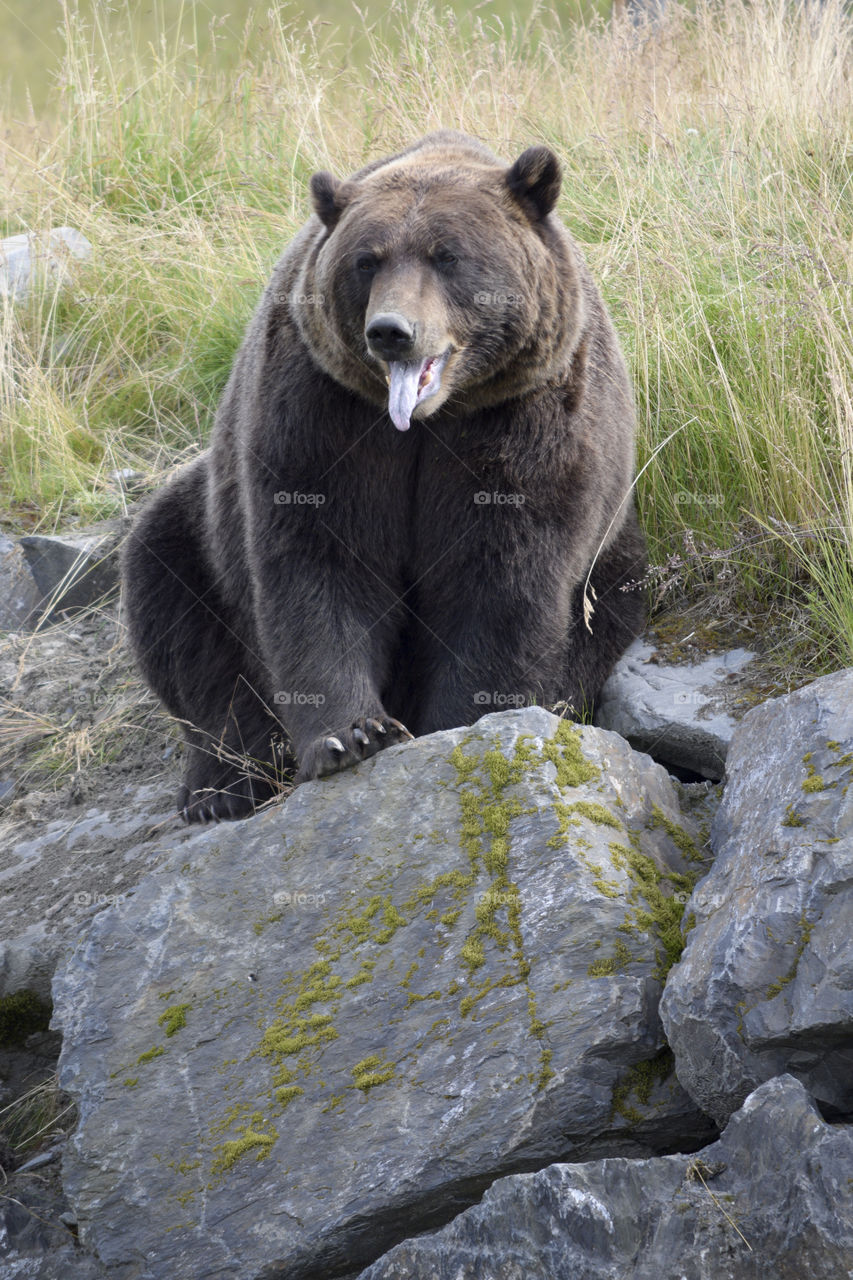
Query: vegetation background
x,y
708,177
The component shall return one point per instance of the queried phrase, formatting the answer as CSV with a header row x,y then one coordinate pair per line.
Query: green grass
x,y
708,177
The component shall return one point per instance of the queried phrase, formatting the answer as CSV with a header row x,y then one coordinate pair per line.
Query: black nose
x,y
390,335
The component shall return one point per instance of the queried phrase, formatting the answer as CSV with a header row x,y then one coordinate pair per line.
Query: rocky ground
x,y
88,770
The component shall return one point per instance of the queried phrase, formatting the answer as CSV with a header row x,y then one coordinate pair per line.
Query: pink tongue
x,y
403,391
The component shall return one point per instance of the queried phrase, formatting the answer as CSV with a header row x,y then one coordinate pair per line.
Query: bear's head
x,y
443,277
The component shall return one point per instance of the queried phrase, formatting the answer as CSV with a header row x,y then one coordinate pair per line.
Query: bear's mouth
x,y
410,383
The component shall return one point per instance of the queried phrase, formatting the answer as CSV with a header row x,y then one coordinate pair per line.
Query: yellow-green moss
x,y
364,926
173,1018
234,1150
487,814
131,1082
565,753
779,985
677,834
281,1041
21,1014
392,921
260,925
568,818
287,1092
616,963
334,1105
640,1080
150,1054
364,974
792,818
650,909
595,813
473,953
372,1071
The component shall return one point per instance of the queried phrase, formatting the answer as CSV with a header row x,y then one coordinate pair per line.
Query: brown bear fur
x,y
318,578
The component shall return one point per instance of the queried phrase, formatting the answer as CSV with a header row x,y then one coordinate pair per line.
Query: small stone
x,y
682,714
74,571
22,256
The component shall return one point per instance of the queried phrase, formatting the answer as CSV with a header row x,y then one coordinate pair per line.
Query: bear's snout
x,y
390,336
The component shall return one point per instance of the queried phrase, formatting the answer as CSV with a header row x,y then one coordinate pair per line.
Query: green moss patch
x,y
250,1140
564,752
639,1082
656,898
372,1071
677,834
150,1054
487,813
21,1014
610,965
174,1018
777,987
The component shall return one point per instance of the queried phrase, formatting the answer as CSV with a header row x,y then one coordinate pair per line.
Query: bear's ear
x,y
326,193
534,180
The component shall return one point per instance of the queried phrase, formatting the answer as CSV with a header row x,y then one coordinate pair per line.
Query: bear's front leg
x,y
329,624
493,633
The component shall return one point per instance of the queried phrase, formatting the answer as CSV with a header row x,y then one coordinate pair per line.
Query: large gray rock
x,y
317,1030
684,713
75,570
771,1198
765,984
22,256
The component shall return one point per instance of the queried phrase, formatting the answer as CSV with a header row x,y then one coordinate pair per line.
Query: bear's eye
x,y
444,258
366,263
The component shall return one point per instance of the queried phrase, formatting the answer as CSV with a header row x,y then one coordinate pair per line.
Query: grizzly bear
x,y
417,502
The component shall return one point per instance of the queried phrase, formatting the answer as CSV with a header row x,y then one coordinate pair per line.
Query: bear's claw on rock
x,y
342,750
